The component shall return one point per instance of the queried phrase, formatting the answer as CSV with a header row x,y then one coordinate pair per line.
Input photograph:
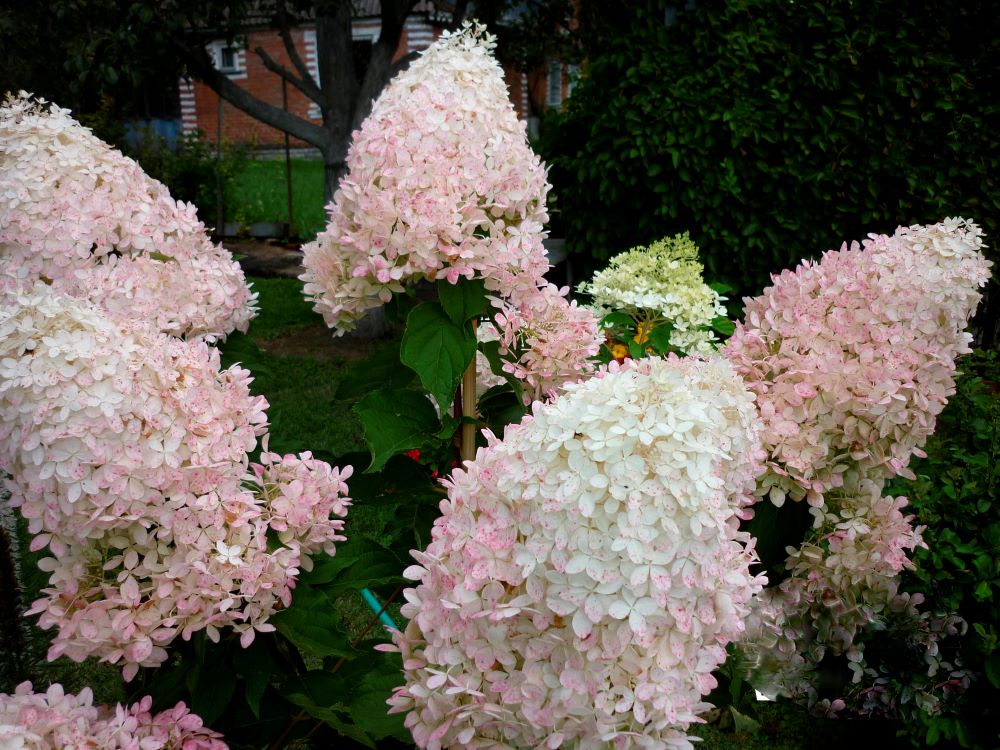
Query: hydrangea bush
x,y
56,720
587,571
442,184
661,284
85,218
127,454
851,359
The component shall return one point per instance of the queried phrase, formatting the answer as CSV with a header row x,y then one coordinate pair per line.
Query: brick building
x,y
530,93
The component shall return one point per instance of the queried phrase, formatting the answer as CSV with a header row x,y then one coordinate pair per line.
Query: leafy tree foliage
x,y
771,129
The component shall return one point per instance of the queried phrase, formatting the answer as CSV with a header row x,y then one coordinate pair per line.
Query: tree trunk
x,y
343,101
334,167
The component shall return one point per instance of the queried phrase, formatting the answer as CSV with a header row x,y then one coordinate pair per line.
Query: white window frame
x,y
572,76
238,69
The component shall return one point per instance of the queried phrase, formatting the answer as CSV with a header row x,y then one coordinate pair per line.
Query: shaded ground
x,y
267,258
302,333
317,342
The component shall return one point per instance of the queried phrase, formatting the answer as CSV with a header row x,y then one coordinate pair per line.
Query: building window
x,y
228,58
554,95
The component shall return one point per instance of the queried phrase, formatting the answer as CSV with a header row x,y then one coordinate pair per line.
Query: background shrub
x,y
955,495
190,170
773,130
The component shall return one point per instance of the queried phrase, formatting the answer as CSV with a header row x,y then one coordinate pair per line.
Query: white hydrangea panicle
x,y
588,570
80,215
664,278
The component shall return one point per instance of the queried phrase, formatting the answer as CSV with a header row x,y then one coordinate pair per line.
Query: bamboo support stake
x,y
469,408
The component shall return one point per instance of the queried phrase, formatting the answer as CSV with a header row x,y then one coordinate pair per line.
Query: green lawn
x,y
303,413
258,193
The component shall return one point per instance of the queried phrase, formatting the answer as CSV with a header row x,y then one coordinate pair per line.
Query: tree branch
x,y
293,53
402,63
307,87
200,63
380,66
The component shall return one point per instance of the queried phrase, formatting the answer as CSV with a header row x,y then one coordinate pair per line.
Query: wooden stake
x,y
469,408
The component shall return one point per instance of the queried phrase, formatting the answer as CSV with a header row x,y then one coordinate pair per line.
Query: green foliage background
x,y
775,130
955,496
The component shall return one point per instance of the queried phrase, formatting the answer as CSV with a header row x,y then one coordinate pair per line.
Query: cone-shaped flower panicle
x,y
441,183
127,454
77,213
57,720
853,357
843,577
587,571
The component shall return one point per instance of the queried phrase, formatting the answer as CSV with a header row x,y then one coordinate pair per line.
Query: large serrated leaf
x,y
395,421
463,300
491,350
402,482
373,678
255,665
500,406
322,696
724,326
359,563
438,350
212,689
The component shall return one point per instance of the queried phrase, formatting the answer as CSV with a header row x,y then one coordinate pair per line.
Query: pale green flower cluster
x,y
665,279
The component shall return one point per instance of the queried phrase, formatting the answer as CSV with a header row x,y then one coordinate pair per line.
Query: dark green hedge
x,y
773,130
955,496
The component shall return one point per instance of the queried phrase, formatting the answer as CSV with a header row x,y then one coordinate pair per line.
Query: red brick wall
x,y
239,127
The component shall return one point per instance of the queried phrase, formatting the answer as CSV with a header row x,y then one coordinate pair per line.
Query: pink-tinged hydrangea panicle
x,y
853,357
57,720
127,454
86,218
587,571
441,183
546,341
843,578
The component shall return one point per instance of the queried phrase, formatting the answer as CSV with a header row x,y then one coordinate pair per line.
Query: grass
x,y
304,413
258,193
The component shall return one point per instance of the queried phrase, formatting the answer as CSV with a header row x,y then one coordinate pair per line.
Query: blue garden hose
x,y
383,616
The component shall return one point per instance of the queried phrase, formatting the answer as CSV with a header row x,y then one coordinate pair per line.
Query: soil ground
x,y
266,257
277,259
